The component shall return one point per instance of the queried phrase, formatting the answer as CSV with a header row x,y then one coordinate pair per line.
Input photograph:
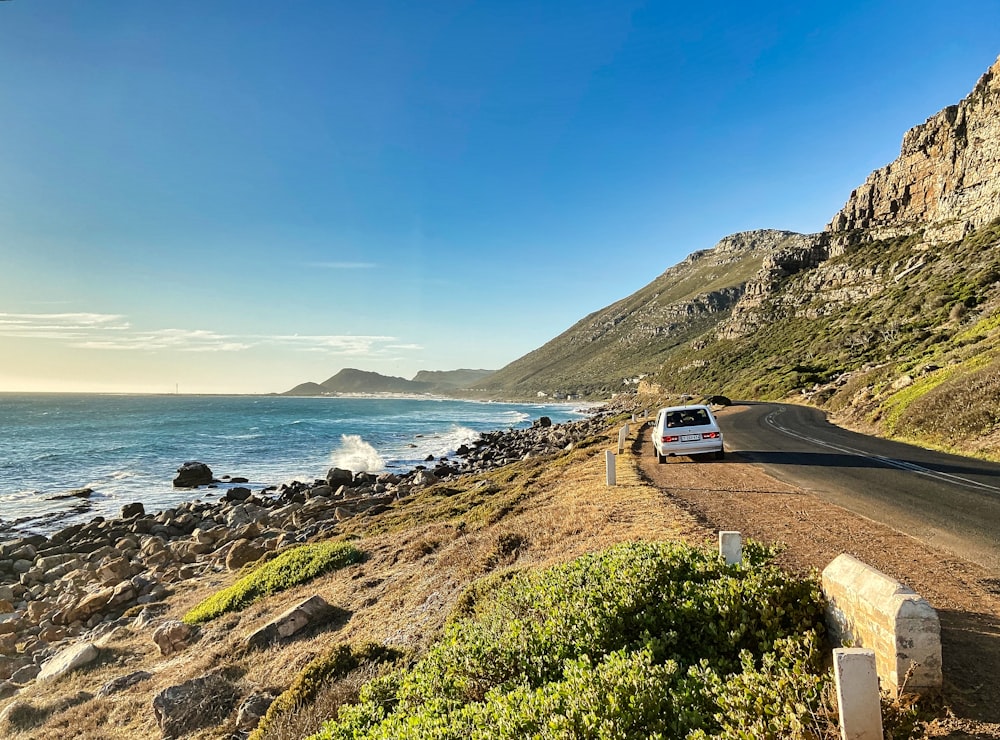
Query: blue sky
x,y
239,196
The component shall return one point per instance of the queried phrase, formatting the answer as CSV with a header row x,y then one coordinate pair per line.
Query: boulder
x,y
193,474
311,612
173,636
115,571
130,511
243,552
252,709
25,674
68,660
336,477
424,478
238,493
8,644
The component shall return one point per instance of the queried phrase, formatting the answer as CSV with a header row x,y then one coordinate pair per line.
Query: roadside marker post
x,y
609,462
622,434
731,547
857,694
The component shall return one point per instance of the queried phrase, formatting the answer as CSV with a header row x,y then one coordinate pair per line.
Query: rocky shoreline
x,y
60,594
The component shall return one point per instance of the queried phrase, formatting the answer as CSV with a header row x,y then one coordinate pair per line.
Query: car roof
x,y
689,407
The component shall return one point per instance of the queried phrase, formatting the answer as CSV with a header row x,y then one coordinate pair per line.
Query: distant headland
x,y
350,380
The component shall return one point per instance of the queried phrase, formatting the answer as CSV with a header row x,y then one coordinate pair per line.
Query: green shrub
x,y
317,676
644,640
290,568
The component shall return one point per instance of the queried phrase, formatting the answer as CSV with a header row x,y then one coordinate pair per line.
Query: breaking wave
x,y
356,455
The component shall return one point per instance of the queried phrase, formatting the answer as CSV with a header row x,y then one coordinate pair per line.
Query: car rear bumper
x,y
689,449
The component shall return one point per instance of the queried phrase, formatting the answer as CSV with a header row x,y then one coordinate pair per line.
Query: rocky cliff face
x,y
946,179
945,183
757,304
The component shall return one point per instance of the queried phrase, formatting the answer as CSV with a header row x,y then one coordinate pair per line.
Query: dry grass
x,y
421,553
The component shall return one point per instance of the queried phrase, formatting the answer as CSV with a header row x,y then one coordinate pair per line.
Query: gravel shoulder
x,y
735,495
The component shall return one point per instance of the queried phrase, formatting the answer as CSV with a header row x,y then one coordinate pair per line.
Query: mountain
x,y
350,380
890,315
451,379
635,336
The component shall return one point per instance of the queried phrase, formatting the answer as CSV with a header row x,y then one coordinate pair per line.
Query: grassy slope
x,y
921,349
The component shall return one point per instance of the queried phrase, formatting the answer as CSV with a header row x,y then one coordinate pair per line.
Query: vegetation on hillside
x,y
917,343
643,640
290,568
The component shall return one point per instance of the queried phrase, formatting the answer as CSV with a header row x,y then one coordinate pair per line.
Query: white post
x,y
622,434
609,462
731,547
857,694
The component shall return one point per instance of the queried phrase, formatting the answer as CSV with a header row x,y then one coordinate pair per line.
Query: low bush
x,y
324,675
644,640
290,568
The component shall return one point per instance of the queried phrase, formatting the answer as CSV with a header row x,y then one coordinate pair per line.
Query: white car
x,y
687,430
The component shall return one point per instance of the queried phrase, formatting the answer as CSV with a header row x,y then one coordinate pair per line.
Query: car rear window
x,y
688,418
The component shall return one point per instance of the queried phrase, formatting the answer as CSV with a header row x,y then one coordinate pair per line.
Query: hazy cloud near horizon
x,y
113,332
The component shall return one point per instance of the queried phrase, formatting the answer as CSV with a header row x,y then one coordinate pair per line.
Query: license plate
x,y
690,437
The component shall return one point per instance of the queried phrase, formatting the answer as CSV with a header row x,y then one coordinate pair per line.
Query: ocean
x,y
128,448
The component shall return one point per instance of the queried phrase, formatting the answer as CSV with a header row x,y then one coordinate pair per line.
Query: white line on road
x,y
958,480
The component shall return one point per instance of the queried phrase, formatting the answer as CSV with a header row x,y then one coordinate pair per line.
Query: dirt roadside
x,y
736,495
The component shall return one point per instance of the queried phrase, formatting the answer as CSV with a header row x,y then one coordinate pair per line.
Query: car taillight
x,y
672,438
709,435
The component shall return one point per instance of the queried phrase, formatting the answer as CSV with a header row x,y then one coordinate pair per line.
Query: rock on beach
x,y
193,474
64,592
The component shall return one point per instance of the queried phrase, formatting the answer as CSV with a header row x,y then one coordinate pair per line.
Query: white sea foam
x,y
356,455
447,441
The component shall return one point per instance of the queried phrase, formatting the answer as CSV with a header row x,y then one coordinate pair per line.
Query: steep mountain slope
x,y
891,315
636,335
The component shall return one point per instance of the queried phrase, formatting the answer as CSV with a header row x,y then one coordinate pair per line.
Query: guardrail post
x,y
622,434
731,547
609,462
857,694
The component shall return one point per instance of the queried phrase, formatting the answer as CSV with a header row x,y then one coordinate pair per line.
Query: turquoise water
x,y
127,448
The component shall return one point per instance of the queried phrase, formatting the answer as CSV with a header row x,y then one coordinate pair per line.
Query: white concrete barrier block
x,y
867,608
731,547
609,463
857,694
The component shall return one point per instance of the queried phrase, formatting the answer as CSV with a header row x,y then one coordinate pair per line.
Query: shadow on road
x,y
970,650
843,460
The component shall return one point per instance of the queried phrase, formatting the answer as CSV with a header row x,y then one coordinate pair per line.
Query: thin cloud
x,y
412,347
64,326
181,340
343,265
342,344
112,332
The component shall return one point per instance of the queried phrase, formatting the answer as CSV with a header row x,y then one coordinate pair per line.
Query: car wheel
x,y
720,455
661,458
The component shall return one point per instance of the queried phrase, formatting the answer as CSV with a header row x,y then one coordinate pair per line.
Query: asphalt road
x,y
947,501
